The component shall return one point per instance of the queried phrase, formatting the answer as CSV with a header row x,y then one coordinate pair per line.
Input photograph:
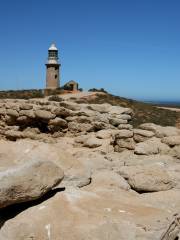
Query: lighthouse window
x,y
55,76
52,54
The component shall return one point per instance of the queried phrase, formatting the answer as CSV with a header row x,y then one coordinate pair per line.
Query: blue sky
x,y
129,47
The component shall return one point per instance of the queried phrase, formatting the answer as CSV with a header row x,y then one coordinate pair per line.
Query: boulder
x,y
81,139
141,135
124,134
171,140
79,127
175,151
144,133
12,113
45,115
117,110
159,130
109,180
78,176
92,142
159,159
25,106
101,117
125,126
124,116
102,108
117,121
27,113
126,143
62,112
58,122
28,182
81,119
85,112
152,178
106,133
151,146
13,134
70,105
32,133
100,126
2,111
139,138
12,105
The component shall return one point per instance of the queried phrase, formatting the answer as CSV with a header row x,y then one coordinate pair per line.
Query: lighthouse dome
x,y
53,47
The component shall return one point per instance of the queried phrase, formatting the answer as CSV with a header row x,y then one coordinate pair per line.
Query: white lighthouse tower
x,y
52,68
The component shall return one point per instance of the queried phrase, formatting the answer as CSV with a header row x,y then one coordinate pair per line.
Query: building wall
x,y
52,76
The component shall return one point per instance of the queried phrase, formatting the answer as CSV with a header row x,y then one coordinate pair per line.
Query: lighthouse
x,y
52,68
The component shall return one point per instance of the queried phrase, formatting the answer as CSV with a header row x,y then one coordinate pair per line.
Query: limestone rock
x,y
81,139
13,134
28,182
106,133
102,108
159,130
117,121
139,138
100,126
175,151
25,106
101,117
79,127
172,140
43,114
125,126
117,110
70,105
92,142
28,113
124,116
23,120
2,111
79,119
124,134
131,159
78,176
108,179
151,146
58,122
62,112
12,105
32,133
141,135
12,113
144,133
147,178
126,143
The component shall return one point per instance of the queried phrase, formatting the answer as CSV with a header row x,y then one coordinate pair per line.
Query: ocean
x,y
165,103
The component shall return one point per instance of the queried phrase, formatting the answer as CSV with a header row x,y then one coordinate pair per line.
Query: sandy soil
x,y
172,109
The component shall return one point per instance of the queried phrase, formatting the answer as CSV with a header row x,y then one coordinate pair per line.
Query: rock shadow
x,y
15,209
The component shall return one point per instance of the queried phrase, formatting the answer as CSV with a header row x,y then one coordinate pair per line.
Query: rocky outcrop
x,y
64,117
119,182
